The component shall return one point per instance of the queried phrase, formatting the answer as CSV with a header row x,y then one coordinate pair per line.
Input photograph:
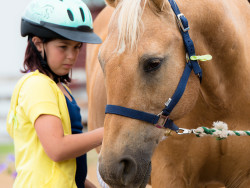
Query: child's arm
x,y
61,147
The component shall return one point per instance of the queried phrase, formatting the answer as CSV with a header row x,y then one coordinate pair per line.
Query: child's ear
x,y
38,43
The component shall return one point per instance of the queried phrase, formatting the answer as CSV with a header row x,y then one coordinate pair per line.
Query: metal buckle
x,y
182,131
168,132
168,102
180,23
162,120
187,58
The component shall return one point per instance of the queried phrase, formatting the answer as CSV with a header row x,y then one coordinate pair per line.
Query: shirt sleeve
x,y
39,96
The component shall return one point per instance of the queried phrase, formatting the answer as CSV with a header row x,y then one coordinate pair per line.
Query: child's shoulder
x,y
35,80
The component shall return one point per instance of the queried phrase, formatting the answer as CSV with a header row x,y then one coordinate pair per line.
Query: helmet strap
x,y
45,64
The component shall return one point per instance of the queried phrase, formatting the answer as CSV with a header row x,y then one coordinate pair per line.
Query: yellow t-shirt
x,y
37,94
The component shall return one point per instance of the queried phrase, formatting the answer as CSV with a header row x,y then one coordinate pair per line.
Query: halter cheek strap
x,y
161,120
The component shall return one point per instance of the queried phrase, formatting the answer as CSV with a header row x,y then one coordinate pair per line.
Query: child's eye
x,y
63,47
78,46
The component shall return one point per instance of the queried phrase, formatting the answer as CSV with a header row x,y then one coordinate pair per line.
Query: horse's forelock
x,y
129,14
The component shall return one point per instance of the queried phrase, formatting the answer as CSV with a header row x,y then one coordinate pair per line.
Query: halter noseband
x,y
161,120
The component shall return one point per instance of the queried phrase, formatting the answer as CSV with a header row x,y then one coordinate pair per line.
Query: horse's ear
x,y
159,3
112,3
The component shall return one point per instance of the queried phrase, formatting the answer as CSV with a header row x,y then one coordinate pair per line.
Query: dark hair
x,y
32,62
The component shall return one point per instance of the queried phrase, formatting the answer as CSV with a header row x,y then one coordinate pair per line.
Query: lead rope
x,y
219,131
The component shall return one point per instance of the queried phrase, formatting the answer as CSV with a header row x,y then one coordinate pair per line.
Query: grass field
x,y
6,148
7,167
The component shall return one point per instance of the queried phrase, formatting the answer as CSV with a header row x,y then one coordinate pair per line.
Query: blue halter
x,y
161,120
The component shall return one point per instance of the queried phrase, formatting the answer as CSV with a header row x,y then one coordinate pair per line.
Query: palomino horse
x,y
141,62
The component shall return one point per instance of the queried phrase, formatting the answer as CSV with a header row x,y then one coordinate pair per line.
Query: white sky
x,y
12,46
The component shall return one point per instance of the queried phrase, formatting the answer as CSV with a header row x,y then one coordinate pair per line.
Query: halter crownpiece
x,y
161,120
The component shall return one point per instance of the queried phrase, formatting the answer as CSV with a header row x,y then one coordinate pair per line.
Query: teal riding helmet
x,y
69,19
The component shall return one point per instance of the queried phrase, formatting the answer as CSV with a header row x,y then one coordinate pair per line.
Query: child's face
x,y
62,55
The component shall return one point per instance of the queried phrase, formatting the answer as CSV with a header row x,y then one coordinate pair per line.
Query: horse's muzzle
x,y
125,172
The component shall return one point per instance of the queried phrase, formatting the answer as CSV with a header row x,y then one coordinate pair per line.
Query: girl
x,y
44,119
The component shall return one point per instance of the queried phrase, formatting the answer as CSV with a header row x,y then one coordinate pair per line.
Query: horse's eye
x,y
152,64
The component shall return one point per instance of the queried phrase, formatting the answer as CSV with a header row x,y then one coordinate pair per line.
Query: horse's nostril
x,y
126,170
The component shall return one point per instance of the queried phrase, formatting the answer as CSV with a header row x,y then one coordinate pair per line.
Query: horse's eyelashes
x,y
152,64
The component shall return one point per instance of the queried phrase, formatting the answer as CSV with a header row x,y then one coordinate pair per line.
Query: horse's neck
x,y
223,34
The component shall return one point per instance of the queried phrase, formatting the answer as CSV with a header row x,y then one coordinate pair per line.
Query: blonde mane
x,y
129,14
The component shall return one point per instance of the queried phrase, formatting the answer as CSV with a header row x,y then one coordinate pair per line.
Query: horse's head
x,y
143,59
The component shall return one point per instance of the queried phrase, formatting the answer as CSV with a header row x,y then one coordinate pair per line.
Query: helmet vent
x,y
71,17
83,16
